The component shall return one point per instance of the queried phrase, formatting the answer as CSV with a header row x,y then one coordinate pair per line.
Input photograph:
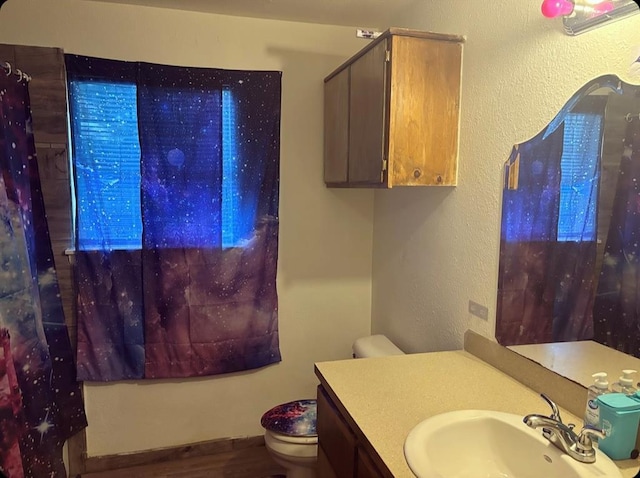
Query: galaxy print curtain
x,y
616,315
194,292
40,401
530,209
546,286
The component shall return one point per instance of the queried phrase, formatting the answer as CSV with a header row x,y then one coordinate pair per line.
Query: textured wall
x,y
435,249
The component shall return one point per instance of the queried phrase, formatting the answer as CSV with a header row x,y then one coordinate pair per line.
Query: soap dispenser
x,y
625,383
592,410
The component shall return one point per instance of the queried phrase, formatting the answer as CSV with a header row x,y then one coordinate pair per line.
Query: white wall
x,y
324,273
435,249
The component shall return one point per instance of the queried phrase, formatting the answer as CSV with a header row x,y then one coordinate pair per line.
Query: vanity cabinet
x,y
342,451
391,113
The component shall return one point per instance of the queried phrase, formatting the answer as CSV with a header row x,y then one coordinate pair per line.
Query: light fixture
x,y
579,16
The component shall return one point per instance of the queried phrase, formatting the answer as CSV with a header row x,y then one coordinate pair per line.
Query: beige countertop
x,y
579,360
387,396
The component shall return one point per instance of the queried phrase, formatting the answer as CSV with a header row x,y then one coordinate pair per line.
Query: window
x,y
580,173
108,174
555,196
230,193
107,165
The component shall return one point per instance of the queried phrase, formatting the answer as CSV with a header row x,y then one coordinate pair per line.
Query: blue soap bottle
x,y
619,419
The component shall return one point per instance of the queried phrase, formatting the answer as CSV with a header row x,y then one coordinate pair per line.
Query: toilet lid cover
x,y
297,418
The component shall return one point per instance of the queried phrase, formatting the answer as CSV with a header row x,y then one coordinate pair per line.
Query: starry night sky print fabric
x,y
615,313
545,285
40,401
186,304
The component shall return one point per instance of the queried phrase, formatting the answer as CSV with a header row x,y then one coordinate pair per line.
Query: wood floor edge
x,y
94,464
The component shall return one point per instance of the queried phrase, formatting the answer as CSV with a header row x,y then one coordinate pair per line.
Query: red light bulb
x,y
555,8
603,7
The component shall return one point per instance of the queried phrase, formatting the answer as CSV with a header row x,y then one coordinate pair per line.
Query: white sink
x,y
486,444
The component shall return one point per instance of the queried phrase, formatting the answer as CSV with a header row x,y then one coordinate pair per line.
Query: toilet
x,y
290,428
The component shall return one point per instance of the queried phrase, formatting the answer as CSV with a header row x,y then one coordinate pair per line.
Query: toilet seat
x,y
292,420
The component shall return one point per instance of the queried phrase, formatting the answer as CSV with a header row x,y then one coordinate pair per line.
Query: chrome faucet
x,y
577,446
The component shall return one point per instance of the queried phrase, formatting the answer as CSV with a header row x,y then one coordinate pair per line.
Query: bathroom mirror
x,y
570,233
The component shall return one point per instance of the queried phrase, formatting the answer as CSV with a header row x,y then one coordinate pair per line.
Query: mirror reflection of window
x,y
570,216
580,173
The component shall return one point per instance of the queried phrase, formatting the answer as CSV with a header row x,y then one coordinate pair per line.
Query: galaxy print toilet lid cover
x,y
297,418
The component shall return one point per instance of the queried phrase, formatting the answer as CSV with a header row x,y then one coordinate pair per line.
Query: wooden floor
x,y
251,463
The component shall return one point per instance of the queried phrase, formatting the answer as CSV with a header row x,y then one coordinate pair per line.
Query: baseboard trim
x,y
93,464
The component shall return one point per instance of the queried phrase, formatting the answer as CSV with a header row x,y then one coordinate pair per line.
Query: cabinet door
x,y
335,438
324,469
367,113
423,112
365,467
336,127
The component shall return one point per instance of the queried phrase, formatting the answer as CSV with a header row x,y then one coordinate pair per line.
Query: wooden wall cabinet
x,y
391,113
342,450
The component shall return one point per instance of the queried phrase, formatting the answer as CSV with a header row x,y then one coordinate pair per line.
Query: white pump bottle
x,y
592,410
625,383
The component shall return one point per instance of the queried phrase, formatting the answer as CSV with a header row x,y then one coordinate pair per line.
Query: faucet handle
x,y
555,412
586,435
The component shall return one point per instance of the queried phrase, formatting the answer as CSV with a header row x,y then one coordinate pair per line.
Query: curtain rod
x,y
9,69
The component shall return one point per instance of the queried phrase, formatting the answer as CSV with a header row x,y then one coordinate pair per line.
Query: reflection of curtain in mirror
x,y
524,312
616,314
547,250
46,407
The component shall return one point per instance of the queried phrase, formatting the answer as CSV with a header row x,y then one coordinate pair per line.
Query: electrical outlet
x,y
478,310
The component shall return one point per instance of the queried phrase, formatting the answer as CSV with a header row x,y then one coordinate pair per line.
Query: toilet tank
x,y
375,346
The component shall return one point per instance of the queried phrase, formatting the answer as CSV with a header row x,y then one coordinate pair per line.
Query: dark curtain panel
x,y
199,298
180,131
525,305
110,325
616,315
545,284
107,280
47,406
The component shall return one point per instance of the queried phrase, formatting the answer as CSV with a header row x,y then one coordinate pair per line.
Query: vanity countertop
x,y
579,360
387,396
